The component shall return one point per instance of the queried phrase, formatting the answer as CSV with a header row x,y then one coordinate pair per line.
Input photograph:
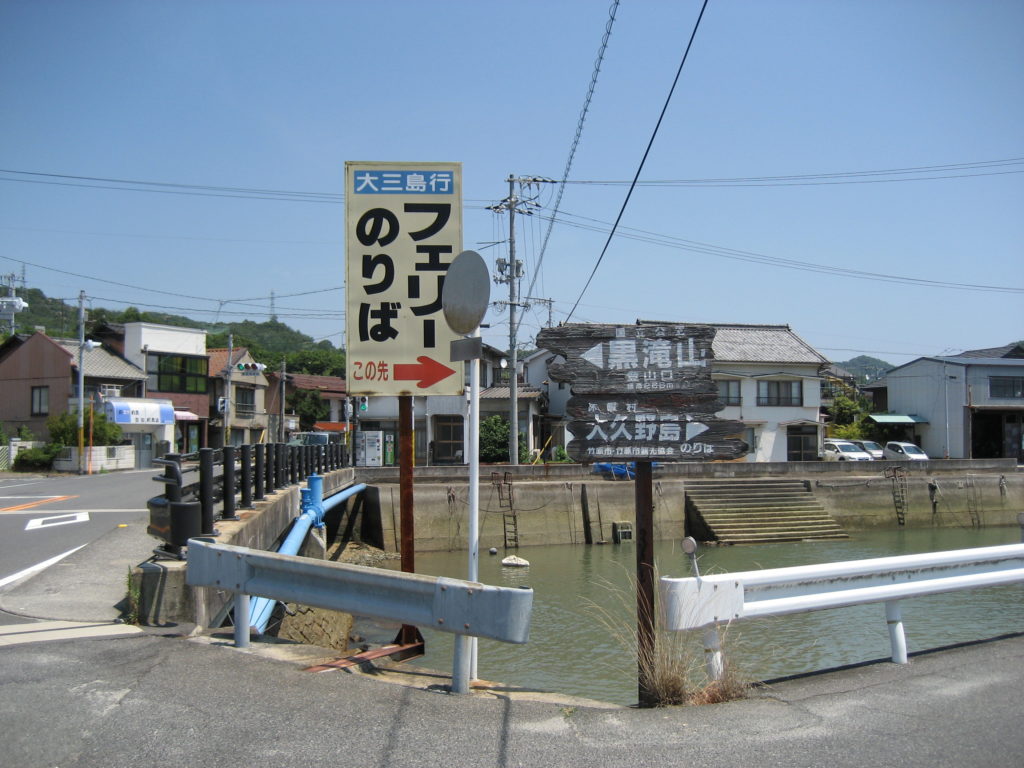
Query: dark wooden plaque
x,y
642,393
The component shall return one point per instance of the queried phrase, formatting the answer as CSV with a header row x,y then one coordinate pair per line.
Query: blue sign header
x,y
403,183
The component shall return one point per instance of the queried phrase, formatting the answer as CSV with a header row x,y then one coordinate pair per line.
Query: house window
x,y
245,401
780,393
447,440
177,373
40,401
729,392
1006,387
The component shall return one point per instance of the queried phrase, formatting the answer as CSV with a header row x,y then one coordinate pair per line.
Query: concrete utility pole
x,y
81,382
511,273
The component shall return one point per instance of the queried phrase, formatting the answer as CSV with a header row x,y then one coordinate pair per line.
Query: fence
x,y
211,484
706,602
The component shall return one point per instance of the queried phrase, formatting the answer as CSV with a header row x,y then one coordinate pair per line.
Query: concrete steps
x,y
756,511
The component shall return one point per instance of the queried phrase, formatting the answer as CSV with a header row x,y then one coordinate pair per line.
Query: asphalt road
x,y
44,517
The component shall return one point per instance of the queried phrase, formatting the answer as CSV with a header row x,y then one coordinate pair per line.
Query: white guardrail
x,y
708,601
448,605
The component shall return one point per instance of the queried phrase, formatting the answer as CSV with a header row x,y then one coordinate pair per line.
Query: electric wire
x,y
643,160
753,257
575,142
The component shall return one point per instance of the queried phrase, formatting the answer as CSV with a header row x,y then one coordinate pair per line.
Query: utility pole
x,y
511,272
550,304
284,378
81,382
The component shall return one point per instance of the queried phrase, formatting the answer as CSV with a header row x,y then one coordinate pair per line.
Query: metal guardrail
x,y
449,605
708,601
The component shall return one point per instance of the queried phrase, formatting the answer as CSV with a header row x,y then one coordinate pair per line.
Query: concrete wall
x,y
167,600
549,510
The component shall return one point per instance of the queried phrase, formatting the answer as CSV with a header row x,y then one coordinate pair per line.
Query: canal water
x,y
584,612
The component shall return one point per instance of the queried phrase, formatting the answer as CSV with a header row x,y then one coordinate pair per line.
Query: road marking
x,y
37,567
50,522
40,501
43,631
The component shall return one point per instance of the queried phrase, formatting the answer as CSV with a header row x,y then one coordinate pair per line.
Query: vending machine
x,y
369,448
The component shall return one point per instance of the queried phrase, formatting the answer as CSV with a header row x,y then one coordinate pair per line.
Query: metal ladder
x,y
898,475
973,502
506,502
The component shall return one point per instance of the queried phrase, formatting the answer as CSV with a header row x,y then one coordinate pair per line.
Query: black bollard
x,y
228,483
246,460
261,468
206,491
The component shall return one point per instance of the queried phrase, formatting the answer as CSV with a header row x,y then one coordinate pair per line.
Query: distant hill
x,y
59,318
866,368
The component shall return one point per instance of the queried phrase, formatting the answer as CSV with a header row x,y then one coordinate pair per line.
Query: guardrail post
x,y
206,490
228,483
241,620
261,468
713,654
320,467
246,457
897,639
293,464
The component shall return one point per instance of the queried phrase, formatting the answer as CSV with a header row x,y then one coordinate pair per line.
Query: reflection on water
x,y
577,588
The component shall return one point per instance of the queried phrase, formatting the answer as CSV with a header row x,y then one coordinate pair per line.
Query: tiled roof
x,y
762,344
523,392
219,359
100,363
1008,350
323,384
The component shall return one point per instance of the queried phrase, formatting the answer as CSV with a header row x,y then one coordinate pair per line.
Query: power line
x,y
643,160
753,257
576,140
949,171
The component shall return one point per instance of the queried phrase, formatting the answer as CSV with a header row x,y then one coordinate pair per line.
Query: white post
x,y
897,639
241,620
713,654
465,657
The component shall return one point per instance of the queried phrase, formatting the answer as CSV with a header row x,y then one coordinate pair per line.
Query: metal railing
x,y
709,601
209,485
448,605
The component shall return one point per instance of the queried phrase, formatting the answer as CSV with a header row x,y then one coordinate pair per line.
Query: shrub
x,y
35,458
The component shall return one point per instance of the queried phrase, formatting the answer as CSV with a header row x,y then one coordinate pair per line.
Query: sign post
x,y
466,295
642,393
403,227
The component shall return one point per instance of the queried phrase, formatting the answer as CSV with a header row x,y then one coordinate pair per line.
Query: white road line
x,y
35,511
36,568
54,520
19,634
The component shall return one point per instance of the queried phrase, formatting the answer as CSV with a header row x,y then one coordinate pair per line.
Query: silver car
x,y
896,451
870,447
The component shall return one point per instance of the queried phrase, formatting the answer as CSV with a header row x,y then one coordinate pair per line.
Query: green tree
x,y
844,410
494,439
317,362
63,429
309,407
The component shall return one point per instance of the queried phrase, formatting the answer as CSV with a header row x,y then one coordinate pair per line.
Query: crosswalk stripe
x,y
42,631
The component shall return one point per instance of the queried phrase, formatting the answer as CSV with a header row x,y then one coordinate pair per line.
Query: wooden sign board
x,y
642,393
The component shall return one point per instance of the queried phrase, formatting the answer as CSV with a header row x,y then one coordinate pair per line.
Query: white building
x,y
966,406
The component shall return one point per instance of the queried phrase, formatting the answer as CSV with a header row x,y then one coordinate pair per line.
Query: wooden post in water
x,y
588,537
644,543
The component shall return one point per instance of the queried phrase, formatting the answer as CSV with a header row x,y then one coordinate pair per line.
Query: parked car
x,y
844,450
903,451
869,446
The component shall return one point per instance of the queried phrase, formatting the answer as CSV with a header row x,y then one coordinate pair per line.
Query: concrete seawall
x,y
548,498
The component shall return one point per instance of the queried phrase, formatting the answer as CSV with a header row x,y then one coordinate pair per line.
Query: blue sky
x,y
278,95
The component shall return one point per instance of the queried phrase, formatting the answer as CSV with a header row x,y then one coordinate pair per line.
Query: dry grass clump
x,y
674,668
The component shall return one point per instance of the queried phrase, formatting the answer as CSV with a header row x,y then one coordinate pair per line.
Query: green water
x,y
583,598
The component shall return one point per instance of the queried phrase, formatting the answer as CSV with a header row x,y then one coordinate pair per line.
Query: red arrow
x,y
425,370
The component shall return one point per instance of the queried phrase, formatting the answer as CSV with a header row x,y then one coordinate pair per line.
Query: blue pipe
x,y
313,508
